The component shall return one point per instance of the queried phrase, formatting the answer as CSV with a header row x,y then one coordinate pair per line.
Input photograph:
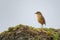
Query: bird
x,y
40,18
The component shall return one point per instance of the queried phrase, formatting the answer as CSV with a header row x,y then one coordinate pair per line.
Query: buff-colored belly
x,y
40,19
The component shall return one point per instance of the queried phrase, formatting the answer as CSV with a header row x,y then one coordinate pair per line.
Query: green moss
x,y
24,32
55,36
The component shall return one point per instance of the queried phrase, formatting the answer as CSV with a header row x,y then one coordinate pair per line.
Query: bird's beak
x,y
35,13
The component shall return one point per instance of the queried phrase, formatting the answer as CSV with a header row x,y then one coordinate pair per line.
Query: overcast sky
x,y
14,12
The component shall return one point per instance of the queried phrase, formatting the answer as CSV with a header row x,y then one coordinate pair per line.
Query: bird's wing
x,y
43,20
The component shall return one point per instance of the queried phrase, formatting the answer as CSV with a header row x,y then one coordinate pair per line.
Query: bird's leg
x,y
41,32
41,26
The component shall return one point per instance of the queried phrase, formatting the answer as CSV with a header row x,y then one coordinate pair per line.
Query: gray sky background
x,y
13,12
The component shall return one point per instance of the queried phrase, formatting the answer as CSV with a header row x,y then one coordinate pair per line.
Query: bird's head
x,y
38,12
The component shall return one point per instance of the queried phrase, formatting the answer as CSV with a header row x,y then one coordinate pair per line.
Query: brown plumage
x,y
40,18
